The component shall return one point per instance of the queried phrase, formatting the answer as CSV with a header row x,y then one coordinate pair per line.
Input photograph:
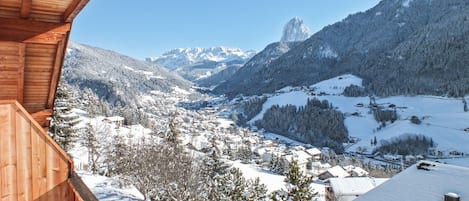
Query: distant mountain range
x,y
397,47
189,56
208,67
196,64
115,77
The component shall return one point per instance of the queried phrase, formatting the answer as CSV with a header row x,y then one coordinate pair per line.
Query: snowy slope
x,y
443,119
336,85
108,189
273,181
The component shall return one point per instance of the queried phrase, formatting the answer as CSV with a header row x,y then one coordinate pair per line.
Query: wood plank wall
x,y
31,166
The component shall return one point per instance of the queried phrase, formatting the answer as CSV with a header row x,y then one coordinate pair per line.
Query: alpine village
x,y
370,107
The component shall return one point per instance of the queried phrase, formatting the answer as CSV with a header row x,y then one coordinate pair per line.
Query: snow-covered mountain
x,y
188,56
115,77
269,54
397,47
295,30
198,64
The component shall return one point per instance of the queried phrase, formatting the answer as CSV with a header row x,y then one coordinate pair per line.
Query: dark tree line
x,y
253,107
355,91
316,123
407,144
383,116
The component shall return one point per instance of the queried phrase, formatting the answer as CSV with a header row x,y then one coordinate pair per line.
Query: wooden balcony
x,y
32,165
33,39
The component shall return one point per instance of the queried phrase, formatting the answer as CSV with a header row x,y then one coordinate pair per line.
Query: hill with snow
x,y
443,119
115,77
253,66
398,47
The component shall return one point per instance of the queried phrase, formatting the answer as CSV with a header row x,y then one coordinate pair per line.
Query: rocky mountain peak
x,y
295,30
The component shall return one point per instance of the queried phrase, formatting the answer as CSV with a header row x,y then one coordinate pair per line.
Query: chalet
x,y
33,41
334,172
314,152
302,158
355,171
317,167
424,181
348,189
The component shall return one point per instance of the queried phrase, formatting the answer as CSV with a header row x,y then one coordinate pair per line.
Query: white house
x,y
356,171
348,189
336,171
315,152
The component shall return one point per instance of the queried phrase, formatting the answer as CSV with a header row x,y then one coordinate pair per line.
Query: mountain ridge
x,y
397,47
114,77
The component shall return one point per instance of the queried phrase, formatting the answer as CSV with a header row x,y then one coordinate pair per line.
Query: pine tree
x,y
63,121
256,190
233,187
465,104
297,188
213,171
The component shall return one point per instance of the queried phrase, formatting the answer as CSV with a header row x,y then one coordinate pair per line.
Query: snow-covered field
x,y
443,119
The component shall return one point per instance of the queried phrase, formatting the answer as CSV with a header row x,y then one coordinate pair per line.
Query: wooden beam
x,y
21,63
25,8
42,117
73,9
20,30
55,76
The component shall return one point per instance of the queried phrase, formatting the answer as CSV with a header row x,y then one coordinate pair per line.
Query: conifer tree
x,y
298,187
63,121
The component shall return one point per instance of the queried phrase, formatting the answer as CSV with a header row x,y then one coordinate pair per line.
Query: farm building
x,y
33,40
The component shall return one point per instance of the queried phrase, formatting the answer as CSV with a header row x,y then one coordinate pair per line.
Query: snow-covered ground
x,y
443,119
108,189
273,181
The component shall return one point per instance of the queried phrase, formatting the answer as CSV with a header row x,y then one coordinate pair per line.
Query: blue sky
x,y
144,28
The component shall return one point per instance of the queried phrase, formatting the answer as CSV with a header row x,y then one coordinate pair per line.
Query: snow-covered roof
x,y
350,188
338,171
313,151
115,118
357,170
430,182
301,156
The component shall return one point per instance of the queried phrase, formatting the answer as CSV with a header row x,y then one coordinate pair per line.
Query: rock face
x,y
397,47
295,30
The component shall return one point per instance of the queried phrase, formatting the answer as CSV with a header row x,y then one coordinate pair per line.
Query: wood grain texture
x,y
32,165
33,39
